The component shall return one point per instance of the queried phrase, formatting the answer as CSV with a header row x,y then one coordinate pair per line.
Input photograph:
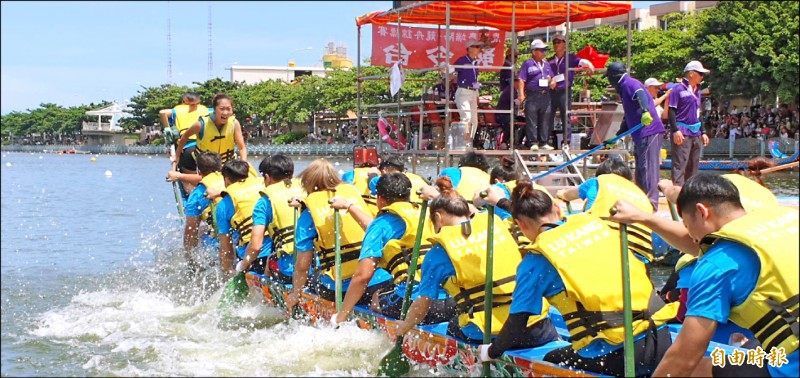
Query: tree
x,y
752,48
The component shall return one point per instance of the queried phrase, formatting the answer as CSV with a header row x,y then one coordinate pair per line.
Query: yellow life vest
x,y
281,230
184,118
752,194
522,241
361,182
213,180
770,311
351,233
216,140
416,184
613,187
472,180
468,255
244,194
397,252
586,253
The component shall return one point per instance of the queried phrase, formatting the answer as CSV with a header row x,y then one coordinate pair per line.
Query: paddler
x,y
315,233
393,164
197,206
470,175
273,221
457,263
183,116
575,265
746,273
235,213
360,178
217,132
612,182
388,244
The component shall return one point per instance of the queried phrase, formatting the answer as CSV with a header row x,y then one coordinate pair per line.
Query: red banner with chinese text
x,y
425,47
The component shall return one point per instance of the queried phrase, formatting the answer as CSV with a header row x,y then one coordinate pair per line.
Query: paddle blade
x,y
236,291
395,363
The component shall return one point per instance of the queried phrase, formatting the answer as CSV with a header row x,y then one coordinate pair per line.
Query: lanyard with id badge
x,y
475,84
560,77
544,81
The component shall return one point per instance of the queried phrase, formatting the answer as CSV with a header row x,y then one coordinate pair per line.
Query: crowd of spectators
x,y
765,122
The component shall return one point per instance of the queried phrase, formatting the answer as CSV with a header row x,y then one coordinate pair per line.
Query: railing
x,y
95,126
260,149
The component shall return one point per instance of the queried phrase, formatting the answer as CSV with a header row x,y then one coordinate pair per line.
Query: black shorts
x,y
647,353
540,333
441,310
258,265
186,161
745,370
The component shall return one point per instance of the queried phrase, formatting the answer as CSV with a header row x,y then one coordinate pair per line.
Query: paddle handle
x,y
295,311
337,226
487,304
177,190
630,367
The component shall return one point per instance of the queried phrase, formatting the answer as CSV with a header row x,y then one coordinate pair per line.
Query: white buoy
x,y
93,159
8,164
41,157
108,173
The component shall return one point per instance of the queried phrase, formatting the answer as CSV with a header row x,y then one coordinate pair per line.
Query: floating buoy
x,y
93,159
8,164
108,173
41,157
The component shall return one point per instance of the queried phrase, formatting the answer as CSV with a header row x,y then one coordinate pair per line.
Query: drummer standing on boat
x,y
684,123
469,88
536,79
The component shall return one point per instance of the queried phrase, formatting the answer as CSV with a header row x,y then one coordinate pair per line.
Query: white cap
x,y
695,65
474,42
538,44
651,82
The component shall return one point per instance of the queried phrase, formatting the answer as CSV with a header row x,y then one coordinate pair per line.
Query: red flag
x,y
589,53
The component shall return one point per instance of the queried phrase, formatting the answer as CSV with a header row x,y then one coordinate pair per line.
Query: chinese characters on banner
x,y
425,47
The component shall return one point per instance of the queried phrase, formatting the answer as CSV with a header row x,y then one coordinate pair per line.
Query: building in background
x,y
333,57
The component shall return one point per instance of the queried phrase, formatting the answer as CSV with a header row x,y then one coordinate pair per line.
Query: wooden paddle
x,y
395,363
337,226
295,311
780,167
630,363
487,303
177,190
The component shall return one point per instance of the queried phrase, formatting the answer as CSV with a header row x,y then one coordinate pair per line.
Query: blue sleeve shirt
x,y
306,232
536,278
197,201
373,185
225,212
685,276
723,278
348,176
588,191
385,227
500,212
262,216
436,268
453,173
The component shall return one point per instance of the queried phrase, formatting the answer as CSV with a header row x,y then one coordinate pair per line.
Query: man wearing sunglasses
x,y
560,62
684,121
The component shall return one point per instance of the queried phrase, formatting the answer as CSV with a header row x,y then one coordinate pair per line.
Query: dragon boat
x,y
430,346
731,165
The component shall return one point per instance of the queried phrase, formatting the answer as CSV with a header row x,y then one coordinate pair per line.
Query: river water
x,y
94,283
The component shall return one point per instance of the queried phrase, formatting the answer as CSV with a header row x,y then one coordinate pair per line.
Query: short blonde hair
x,y
319,176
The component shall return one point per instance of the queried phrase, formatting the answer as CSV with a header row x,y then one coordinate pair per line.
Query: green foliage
x,y
290,137
157,142
752,48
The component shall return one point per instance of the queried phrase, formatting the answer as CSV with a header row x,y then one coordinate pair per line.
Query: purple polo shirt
x,y
531,72
466,76
559,65
687,106
633,113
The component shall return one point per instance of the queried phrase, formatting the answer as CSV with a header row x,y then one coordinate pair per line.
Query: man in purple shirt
x,y
561,62
684,123
640,110
468,89
536,79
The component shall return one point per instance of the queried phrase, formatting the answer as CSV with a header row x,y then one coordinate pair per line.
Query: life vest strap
x,y
324,252
778,318
405,257
477,304
464,294
597,321
329,262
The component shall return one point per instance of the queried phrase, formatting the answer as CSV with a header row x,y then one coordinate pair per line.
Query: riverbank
x,y
717,148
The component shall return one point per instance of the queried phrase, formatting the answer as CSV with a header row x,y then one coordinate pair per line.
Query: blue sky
x,y
73,53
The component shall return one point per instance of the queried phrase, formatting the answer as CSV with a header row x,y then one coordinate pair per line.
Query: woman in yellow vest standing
x,y
218,132
457,262
576,266
316,232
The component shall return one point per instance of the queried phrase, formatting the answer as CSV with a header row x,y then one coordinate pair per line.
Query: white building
x,y
256,74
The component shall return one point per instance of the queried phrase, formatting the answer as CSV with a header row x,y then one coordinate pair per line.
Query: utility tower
x,y
169,45
210,47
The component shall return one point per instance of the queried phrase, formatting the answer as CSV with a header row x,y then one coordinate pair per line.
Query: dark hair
x,y
235,170
191,97
504,171
394,187
278,167
449,200
208,162
615,166
218,98
394,162
711,189
474,159
530,202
